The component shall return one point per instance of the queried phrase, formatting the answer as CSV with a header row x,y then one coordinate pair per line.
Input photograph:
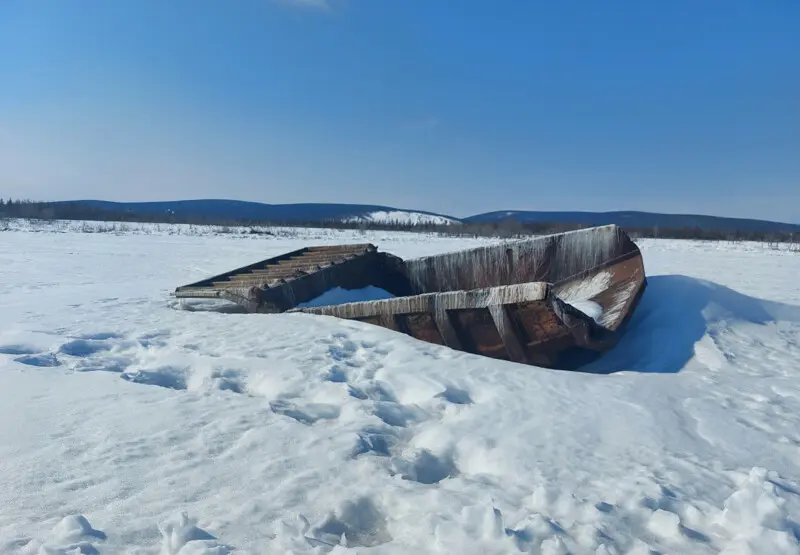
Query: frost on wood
x,y
478,298
585,289
552,259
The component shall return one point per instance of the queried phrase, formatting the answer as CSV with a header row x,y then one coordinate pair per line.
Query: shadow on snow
x,y
674,313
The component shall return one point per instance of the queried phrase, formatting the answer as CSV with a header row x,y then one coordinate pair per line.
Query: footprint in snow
x,y
17,350
153,339
345,352
425,468
456,396
358,523
376,441
113,364
336,374
375,391
45,360
166,377
395,414
84,347
307,414
229,381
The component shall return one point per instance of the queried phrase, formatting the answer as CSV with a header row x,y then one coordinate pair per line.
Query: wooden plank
x,y
337,248
508,333
477,325
421,325
389,321
316,250
445,325
293,266
478,298
207,282
272,275
320,258
198,293
374,320
538,323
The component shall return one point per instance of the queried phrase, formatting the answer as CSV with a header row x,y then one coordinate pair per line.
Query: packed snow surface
x,y
128,426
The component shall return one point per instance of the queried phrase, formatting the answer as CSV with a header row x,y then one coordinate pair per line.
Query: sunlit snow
x,y
130,426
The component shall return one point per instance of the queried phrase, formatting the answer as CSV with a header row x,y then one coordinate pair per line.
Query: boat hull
x,y
556,301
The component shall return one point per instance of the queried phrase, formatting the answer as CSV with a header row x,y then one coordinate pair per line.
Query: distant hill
x,y
241,211
637,220
235,210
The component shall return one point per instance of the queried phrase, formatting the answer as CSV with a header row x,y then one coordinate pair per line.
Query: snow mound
x,y
756,519
73,535
181,536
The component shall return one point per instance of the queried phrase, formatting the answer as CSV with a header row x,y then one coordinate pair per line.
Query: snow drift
x,y
128,426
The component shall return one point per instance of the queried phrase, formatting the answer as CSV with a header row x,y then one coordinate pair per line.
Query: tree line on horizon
x,y
509,228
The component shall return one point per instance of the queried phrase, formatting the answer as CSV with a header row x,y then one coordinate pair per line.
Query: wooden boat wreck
x,y
553,301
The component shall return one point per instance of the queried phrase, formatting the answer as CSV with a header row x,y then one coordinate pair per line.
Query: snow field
x,y
244,231
125,415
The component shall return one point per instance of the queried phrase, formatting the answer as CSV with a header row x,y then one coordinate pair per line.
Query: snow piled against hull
x,y
127,426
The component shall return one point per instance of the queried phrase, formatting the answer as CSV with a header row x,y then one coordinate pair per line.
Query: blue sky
x,y
451,106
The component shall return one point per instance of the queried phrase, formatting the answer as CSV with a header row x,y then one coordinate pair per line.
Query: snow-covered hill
x,y
222,210
640,220
240,211
133,423
403,217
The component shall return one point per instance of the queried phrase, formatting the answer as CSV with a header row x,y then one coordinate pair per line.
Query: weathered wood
x,y
478,332
354,247
478,298
445,324
186,290
315,256
507,333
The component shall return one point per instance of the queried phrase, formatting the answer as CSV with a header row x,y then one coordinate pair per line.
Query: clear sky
x,y
455,106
